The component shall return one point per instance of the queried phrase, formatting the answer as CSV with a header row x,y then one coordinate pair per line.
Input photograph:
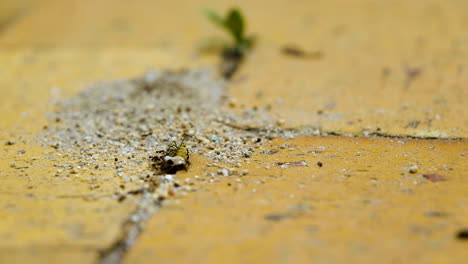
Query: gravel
x,y
129,120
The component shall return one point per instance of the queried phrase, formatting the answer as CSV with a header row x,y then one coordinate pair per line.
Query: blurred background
x,y
384,66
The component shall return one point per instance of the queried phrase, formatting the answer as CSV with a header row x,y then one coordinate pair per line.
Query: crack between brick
x,y
306,131
148,203
387,135
130,230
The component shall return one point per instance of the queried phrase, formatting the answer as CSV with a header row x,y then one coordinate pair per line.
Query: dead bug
x,y
174,158
178,149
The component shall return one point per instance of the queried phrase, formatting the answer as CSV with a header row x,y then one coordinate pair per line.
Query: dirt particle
x,y
320,164
277,217
411,73
223,172
294,50
269,151
232,103
462,234
407,191
94,186
284,164
411,168
413,124
434,177
436,214
280,122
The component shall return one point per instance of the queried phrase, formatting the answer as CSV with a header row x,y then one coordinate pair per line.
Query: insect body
x,y
175,158
179,150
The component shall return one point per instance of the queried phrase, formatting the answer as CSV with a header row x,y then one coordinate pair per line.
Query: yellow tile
x,y
361,206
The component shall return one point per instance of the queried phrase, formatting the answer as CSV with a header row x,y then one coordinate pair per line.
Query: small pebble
x,y
134,218
93,186
280,122
169,177
413,169
232,103
223,172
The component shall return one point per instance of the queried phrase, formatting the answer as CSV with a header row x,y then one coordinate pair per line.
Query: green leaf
x,y
214,17
234,22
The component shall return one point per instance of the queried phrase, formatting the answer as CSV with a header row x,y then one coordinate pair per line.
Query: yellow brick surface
x,y
361,206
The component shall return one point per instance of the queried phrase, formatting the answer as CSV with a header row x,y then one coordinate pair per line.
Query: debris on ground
x,y
10,142
411,168
462,234
413,124
411,73
278,217
126,124
295,51
436,214
433,177
137,118
269,151
287,164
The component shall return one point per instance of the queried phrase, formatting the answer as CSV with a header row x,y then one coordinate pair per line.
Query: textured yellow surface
x,y
341,212
48,214
360,84
361,206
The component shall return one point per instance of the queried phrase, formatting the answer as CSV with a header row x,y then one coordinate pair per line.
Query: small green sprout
x,y
234,24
